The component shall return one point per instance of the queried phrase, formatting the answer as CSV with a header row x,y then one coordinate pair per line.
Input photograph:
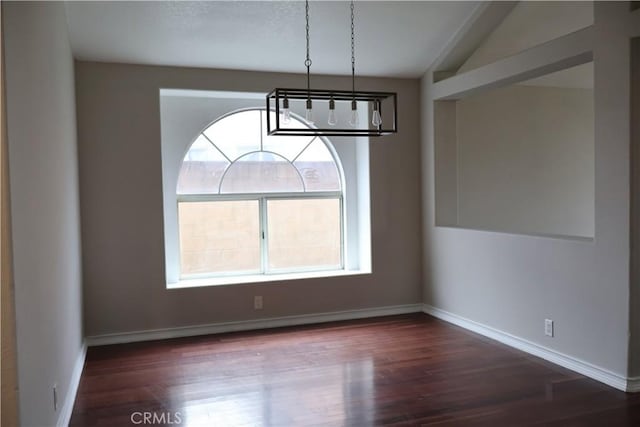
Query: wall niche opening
x,y
519,159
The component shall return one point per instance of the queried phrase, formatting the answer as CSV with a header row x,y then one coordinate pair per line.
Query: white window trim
x,y
179,124
262,278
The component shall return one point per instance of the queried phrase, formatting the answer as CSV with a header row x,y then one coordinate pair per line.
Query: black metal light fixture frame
x,y
374,100
276,97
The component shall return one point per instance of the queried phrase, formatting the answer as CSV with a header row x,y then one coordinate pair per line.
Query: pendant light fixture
x,y
342,107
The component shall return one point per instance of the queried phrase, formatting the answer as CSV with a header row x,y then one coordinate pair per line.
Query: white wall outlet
x,y
548,327
55,397
257,302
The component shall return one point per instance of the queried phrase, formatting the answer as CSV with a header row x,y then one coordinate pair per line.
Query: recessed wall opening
x,y
241,206
519,159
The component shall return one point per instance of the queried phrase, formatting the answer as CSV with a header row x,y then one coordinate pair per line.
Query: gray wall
x,y
45,210
635,210
525,160
513,282
122,220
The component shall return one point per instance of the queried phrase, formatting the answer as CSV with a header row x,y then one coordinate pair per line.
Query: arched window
x,y
249,203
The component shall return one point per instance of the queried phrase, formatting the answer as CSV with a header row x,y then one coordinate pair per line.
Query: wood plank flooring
x,y
410,370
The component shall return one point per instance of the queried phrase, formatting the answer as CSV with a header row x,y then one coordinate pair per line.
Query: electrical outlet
x,y
257,302
548,327
55,397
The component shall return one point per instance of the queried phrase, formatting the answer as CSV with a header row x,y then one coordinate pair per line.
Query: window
x,y
250,203
206,151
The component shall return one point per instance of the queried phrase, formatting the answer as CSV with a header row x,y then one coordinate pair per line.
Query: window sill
x,y
259,278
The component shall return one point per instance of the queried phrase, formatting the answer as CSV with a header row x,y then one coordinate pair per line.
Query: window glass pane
x,y
236,134
201,169
304,233
261,173
219,236
287,146
318,169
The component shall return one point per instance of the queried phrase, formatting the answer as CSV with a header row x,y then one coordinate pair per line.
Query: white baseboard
x,y
587,369
245,325
633,385
70,398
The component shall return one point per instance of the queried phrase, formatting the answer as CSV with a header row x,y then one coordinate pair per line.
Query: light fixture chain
x,y
353,51
307,62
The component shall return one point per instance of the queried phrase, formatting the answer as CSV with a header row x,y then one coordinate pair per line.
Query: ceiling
x,y
393,38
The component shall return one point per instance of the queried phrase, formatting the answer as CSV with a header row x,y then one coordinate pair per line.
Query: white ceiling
x,y
393,38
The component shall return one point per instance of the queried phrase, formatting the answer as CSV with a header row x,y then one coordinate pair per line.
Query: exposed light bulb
x,y
333,120
286,116
353,120
286,112
308,115
376,119
332,113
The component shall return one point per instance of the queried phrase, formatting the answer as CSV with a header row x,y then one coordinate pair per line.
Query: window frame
x,y
263,198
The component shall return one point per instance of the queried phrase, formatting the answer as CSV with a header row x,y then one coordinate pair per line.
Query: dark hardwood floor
x,y
409,370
